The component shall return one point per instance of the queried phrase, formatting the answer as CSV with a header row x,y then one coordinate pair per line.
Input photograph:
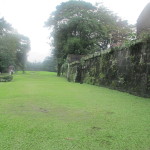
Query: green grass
x,y
39,111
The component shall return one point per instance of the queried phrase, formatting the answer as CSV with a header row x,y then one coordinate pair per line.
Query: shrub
x,y
6,78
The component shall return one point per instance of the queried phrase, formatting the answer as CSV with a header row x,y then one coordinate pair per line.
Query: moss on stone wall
x,y
126,69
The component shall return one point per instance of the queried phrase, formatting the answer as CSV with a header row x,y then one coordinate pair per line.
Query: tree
x,y
21,53
8,43
13,47
4,27
81,28
49,64
8,46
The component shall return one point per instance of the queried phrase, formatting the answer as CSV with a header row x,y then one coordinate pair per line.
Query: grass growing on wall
x,y
40,111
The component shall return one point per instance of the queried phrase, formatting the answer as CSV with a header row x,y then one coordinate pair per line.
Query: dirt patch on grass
x,y
96,128
109,113
57,112
69,139
43,110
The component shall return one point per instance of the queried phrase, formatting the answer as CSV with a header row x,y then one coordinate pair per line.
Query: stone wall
x,y
126,69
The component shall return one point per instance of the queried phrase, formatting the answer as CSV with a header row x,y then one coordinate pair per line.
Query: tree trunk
x,y
59,70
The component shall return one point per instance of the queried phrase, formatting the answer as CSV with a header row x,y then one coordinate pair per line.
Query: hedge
x,y
6,78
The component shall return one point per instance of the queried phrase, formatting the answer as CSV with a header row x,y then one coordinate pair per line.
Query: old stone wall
x,y
126,69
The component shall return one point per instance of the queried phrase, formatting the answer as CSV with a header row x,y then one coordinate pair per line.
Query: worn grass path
x,y
39,111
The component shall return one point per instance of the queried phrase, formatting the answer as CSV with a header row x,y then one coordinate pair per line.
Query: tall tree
x,y
21,53
13,47
81,28
8,46
49,64
5,27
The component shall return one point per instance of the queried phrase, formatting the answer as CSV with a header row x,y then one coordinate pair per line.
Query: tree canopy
x,y
13,47
81,28
49,64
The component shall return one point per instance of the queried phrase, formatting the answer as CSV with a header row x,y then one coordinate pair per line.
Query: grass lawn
x,y
40,111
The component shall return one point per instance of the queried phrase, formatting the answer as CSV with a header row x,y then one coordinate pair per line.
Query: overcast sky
x,y
28,17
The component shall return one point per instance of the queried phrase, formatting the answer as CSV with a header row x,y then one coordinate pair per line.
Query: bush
x,y
6,78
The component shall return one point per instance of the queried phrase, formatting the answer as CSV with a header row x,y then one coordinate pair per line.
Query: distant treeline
x,y
49,64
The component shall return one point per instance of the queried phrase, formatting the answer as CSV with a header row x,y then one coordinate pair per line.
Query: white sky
x,y
28,17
